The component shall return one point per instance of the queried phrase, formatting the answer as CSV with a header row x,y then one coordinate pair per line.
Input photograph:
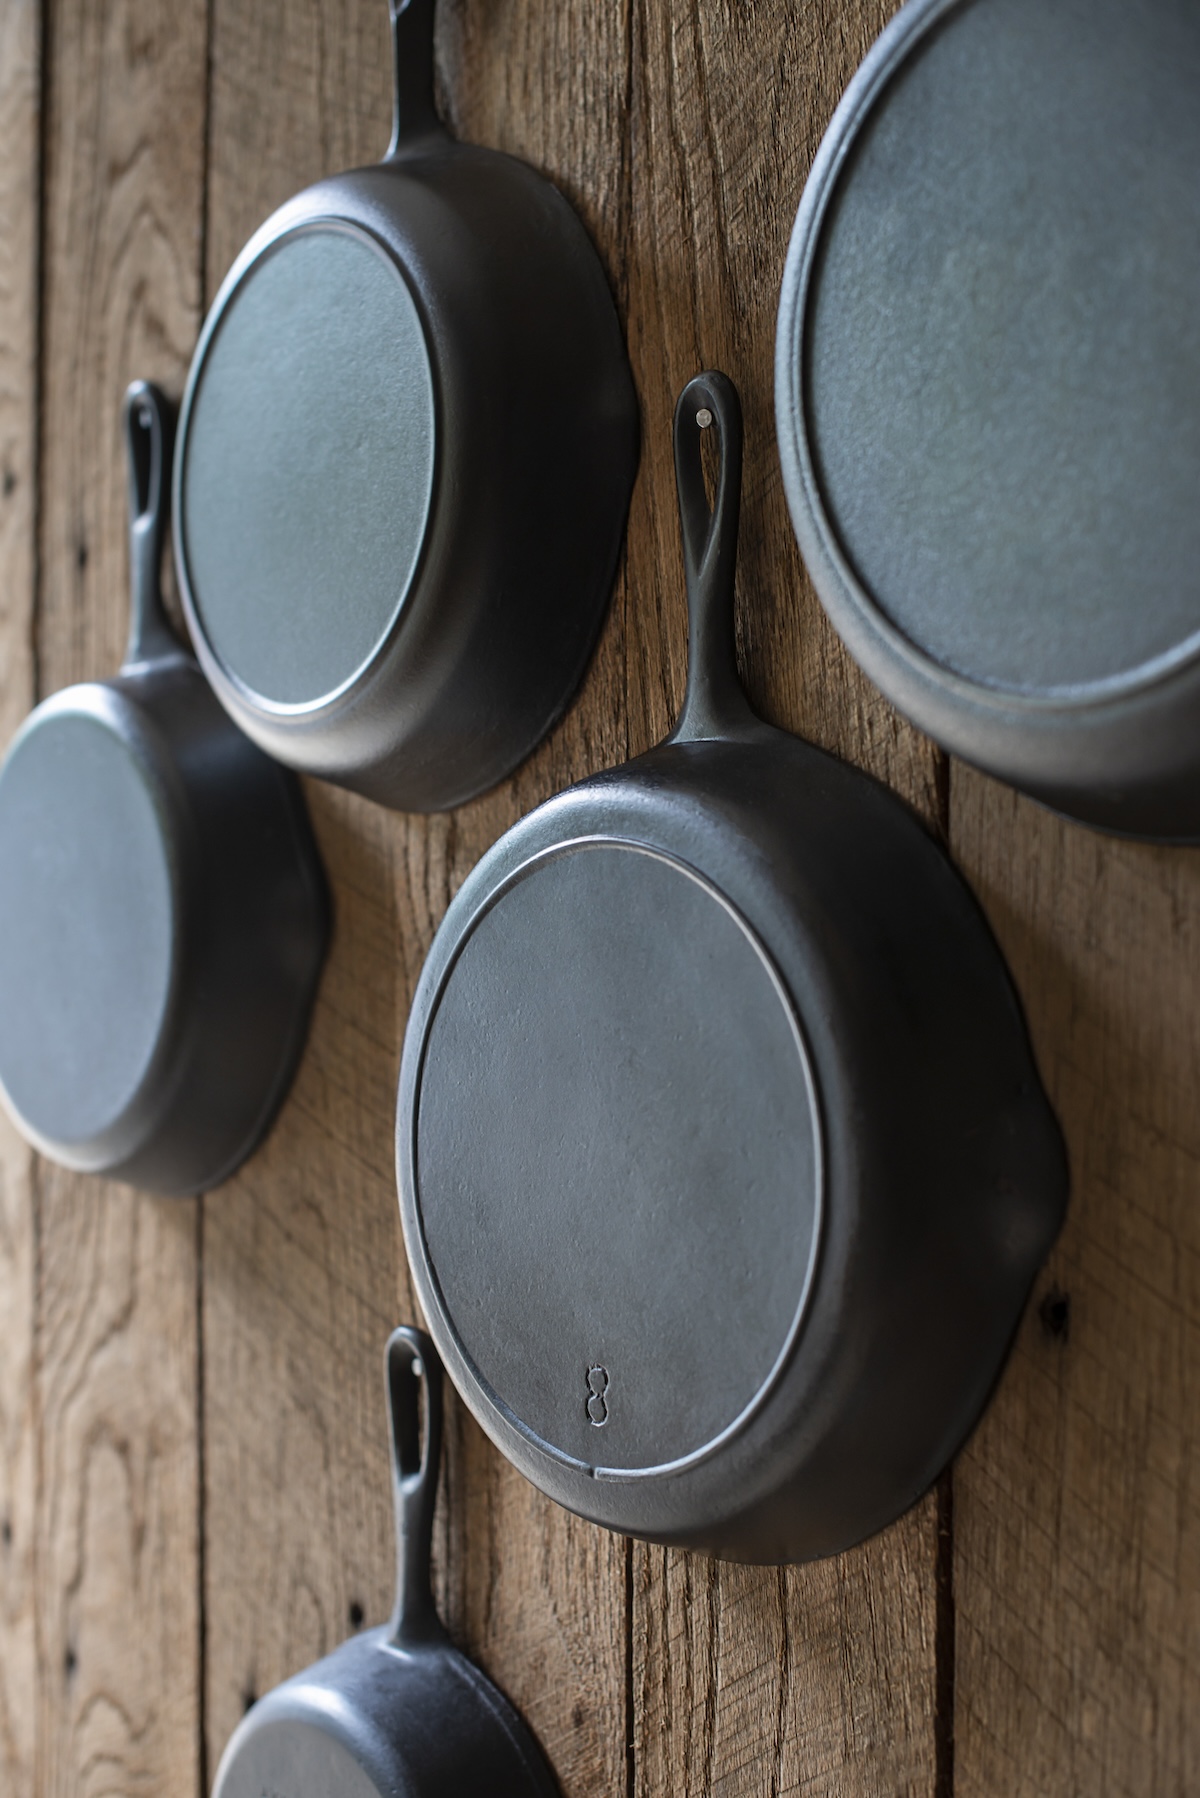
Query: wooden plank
x,y
303,1264
539,1595
759,1680
20,74
301,1250
770,1680
716,182
118,1525
1077,1507
19,95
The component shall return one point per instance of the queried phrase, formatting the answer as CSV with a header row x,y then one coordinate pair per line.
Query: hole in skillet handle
x,y
414,1394
715,705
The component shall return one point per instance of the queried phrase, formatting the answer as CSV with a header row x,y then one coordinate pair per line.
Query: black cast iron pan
x,y
406,451
396,1712
724,1164
163,914
988,392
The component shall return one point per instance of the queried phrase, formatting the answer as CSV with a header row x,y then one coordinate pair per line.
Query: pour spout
x,y
715,704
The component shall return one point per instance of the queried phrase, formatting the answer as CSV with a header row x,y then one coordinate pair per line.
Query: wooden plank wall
x,y
193,1485
19,84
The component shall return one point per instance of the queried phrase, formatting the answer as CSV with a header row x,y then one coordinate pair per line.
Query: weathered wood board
x,y
116,1367
1077,1505
193,1483
20,49
819,1679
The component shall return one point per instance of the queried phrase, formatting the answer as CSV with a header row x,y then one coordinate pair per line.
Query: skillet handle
x,y
715,704
149,439
413,1367
414,113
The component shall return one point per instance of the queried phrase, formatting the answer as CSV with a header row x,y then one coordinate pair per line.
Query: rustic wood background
x,y
193,1484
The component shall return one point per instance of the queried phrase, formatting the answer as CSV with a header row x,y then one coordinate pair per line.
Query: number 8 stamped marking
x,y
597,1403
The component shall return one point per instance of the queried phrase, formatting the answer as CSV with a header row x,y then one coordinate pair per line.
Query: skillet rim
x,y
1071,747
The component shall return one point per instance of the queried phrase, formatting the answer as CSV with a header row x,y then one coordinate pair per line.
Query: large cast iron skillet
x,y
396,1712
405,457
724,1165
163,914
988,392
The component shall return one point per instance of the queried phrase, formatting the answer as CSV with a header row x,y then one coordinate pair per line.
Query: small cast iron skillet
x,y
988,392
396,1712
724,1165
163,914
406,452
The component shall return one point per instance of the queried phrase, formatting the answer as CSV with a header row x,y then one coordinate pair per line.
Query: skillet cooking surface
x,y
308,468
618,1156
1003,343
88,924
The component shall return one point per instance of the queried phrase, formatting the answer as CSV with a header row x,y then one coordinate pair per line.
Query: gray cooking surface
x,y
617,1157
87,927
1004,342
310,454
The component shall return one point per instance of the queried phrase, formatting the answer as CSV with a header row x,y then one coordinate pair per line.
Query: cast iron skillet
x,y
988,392
406,451
724,1165
163,914
396,1712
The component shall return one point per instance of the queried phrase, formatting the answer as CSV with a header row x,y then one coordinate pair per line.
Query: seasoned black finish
x,y
724,1165
163,914
406,452
710,1080
988,392
397,1712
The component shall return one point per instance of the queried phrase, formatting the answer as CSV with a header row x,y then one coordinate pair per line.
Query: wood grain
x,y
823,1679
118,1579
19,115
117,1369
765,1680
20,80
1077,1507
